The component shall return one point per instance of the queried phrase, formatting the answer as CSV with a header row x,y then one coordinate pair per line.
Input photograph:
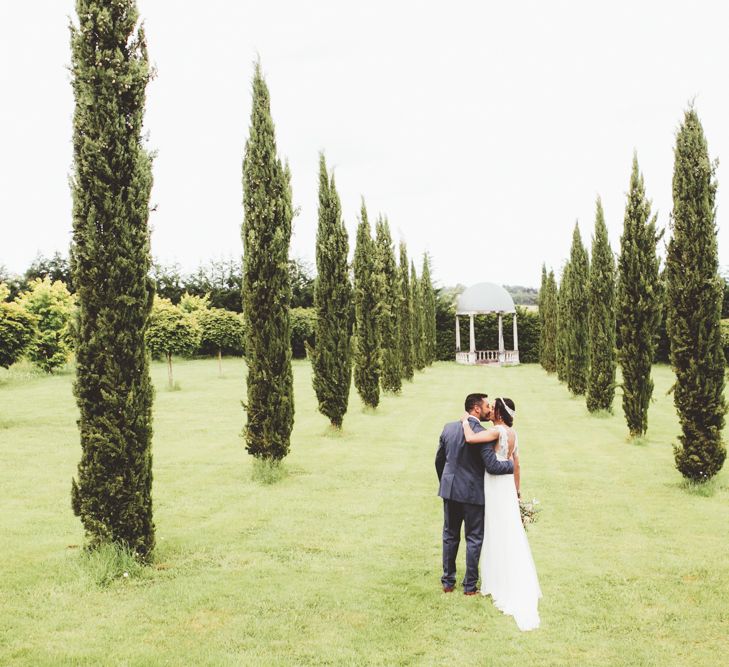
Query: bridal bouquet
x,y
529,511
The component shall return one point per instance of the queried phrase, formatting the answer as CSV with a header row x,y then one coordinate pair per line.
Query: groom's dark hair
x,y
472,400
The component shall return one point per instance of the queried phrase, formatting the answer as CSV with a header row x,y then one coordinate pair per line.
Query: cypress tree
x,y
601,319
548,344
427,296
638,303
110,262
389,308
542,301
407,349
331,358
577,303
552,323
266,288
695,294
418,352
366,304
563,325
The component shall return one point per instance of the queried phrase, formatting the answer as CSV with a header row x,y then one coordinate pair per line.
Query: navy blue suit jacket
x,y
461,466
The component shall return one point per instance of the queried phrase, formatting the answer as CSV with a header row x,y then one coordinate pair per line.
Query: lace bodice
x,y
502,450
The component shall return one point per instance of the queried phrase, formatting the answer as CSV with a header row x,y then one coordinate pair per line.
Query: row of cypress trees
x,y
394,311
394,321
386,302
599,305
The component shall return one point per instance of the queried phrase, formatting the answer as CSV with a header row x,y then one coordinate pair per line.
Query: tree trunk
x,y
220,362
169,370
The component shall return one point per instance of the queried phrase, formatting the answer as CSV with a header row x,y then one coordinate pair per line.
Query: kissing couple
x,y
479,475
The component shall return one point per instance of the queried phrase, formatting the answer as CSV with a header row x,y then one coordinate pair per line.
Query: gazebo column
x,y
458,335
516,336
501,339
472,333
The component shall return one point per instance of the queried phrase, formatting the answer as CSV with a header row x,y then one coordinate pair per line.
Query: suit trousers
x,y
454,515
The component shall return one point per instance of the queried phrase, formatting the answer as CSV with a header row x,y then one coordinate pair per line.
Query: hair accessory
x,y
506,407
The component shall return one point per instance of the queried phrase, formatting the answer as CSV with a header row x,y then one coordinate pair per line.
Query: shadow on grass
x,y
268,472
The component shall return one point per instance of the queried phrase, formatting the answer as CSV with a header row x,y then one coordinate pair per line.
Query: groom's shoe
x,y
470,592
447,589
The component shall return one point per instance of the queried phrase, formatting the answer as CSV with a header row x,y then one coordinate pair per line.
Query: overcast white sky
x,y
482,129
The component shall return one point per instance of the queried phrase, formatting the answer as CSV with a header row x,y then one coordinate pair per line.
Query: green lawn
x,y
339,563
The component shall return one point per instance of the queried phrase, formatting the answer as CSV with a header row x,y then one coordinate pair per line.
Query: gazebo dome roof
x,y
485,298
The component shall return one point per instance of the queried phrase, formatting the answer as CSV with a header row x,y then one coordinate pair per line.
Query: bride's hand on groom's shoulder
x,y
464,417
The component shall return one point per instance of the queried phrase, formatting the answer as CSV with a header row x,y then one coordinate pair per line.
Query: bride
x,y
509,575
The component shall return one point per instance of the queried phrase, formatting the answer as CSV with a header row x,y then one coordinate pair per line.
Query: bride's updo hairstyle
x,y
503,412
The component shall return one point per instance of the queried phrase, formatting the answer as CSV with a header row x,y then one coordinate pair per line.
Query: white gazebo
x,y
482,299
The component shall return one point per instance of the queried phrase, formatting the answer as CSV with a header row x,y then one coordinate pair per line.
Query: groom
x,y
460,469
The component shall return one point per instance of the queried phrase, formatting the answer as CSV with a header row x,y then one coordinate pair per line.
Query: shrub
x,y
171,331
53,306
18,329
221,331
303,331
192,303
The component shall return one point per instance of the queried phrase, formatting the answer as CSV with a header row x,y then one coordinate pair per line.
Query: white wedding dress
x,y
507,567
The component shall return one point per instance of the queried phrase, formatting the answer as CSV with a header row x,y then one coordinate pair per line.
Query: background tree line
x,y
216,282
220,280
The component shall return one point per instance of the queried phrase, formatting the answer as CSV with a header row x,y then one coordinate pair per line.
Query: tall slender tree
x,y
366,306
110,263
563,324
331,358
548,344
551,324
695,294
389,308
427,296
542,300
266,286
407,347
577,304
418,351
638,303
601,319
